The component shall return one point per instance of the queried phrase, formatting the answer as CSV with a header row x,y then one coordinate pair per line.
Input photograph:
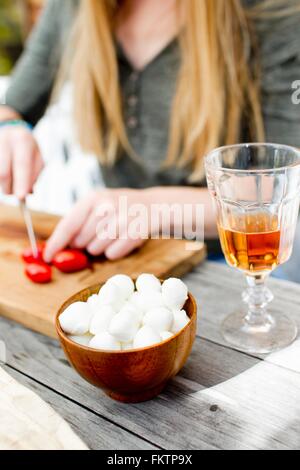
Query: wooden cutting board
x,y
35,306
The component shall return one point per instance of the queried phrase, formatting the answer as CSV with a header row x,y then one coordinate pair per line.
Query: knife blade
x,y
29,226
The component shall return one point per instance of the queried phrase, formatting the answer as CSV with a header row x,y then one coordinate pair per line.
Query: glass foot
x,y
275,332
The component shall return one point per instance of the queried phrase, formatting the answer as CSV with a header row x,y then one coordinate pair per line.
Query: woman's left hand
x,y
93,216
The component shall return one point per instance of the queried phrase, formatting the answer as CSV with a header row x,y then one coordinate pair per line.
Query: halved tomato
x,y
29,257
39,273
70,261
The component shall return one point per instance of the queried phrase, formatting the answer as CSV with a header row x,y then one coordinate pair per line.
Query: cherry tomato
x,y
28,255
40,273
70,261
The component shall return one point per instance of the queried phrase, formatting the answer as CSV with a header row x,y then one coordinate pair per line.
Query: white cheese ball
x,y
75,320
111,294
152,300
83,340
180,320
174,293
128,306
105,341
166,335
138,301
126,346
94,303
125,284
146,336
148,282
160,319
124,326
101,320
145,301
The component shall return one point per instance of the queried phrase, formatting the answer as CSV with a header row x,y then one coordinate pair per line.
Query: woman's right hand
x,y
20,160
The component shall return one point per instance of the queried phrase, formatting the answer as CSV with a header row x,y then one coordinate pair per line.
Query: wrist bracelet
x,y
16,122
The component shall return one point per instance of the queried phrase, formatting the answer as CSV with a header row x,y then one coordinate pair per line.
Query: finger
x,y
22,166
101,217
88,232
106,233
5,172
121,248
97,246
38,165
68,228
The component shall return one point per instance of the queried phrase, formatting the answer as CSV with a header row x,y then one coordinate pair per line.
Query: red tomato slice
x,y
70,261
40,273
28,255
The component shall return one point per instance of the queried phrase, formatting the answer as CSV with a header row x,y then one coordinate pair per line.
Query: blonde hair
x,y
217,84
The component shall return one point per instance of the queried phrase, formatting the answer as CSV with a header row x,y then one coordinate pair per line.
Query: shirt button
x,y
134,76
132,122
132,100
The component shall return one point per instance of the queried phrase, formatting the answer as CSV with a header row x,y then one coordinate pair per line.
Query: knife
x,y
29,226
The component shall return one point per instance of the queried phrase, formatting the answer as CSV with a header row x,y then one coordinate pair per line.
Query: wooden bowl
x,y
135,375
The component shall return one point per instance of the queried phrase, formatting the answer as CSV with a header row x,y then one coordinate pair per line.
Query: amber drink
x,y
259,247
256,193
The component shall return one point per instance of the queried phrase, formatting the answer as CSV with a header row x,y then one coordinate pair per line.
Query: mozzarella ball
x,y
124,326
152,300
146,336
125,284
160,319
148,282
105,341
166,335
126,346
128,306
138,301
145,301
180,320
83,340
101,320
111,294
94,303
75,320
174,293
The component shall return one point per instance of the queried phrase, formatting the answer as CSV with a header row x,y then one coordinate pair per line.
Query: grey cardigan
x,y
147,95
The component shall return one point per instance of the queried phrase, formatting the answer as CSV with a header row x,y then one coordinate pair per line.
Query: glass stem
x,y
257,297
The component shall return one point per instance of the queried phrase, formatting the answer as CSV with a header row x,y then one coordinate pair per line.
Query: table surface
x,y
222,399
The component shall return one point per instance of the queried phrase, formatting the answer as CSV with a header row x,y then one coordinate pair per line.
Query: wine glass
x,y
256,190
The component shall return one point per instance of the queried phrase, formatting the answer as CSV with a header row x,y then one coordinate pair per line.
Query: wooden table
x,y
222,399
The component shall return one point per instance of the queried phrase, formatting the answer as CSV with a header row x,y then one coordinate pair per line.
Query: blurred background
x,y
69,174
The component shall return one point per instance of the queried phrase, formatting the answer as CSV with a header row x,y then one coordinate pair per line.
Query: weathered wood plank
x,y
96,432
222,399
217,289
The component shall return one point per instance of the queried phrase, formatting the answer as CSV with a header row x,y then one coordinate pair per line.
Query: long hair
x,y
218,83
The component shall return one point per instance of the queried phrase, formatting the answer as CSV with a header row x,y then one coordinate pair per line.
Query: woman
x,y
156,85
